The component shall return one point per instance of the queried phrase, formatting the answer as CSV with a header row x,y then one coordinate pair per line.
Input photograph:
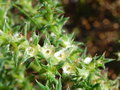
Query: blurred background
x,y
97,24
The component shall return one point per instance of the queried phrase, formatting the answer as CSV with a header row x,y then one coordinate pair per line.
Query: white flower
x,y
30,51
67,43
68,68
52,34
48,51
16,35
61,55
78,89
87,60
31,39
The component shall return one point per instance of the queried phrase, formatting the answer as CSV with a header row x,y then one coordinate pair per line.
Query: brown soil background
x,y
97,24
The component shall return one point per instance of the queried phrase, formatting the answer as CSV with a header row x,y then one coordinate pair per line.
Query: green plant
x,y
118,53
37,54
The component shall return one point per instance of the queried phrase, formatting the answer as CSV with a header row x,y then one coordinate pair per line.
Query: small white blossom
x,y
16,35
48,51
30,51
87,60
67,43
68,68
78,89
52,34
61,55
31,39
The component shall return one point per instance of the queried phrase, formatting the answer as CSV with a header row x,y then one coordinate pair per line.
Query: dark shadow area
x,y
97,24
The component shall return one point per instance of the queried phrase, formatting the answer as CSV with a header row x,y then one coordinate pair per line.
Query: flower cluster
x,y
36,54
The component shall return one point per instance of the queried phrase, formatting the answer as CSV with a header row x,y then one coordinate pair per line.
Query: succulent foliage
x,y
37,54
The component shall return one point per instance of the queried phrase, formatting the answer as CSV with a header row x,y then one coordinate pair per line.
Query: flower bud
x,y
87,60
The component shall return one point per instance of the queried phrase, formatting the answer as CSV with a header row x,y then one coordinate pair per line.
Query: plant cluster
x,y
37,54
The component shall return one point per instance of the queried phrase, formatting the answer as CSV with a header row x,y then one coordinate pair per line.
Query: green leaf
x,y
42,87
58,85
